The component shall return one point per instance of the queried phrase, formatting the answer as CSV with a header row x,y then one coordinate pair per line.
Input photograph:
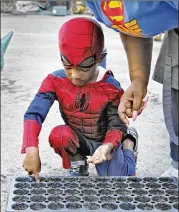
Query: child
x,y
88,97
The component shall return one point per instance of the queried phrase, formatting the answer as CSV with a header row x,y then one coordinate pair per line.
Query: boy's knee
x,y
61,137
59,134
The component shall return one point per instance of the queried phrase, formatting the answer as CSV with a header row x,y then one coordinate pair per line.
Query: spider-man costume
x,y
89,111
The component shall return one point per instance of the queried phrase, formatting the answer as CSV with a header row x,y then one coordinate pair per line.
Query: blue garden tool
x,y
4,44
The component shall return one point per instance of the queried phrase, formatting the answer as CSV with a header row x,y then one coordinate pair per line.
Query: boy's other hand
x,y
101,154
32,163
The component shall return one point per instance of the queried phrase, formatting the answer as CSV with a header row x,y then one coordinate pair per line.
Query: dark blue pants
x,y
121,164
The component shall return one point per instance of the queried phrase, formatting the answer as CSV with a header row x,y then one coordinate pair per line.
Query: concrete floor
x,y
32,54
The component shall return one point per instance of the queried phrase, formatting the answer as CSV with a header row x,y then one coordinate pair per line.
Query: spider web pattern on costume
x,y
93,121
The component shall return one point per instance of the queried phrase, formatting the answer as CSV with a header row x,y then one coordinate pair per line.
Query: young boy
x,y
88,97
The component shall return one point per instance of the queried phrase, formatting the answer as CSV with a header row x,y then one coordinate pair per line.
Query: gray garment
x,y
166,72
168,54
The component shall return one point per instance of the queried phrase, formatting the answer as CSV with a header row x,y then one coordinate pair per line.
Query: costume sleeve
x,y
116,128
37,112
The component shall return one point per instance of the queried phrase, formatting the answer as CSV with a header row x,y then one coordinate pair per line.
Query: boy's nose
x,y
75,73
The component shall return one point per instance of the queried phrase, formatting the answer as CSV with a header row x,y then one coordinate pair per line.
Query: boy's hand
x,y
101,154
32,163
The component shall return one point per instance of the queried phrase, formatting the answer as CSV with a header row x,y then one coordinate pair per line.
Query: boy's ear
x,y
102,56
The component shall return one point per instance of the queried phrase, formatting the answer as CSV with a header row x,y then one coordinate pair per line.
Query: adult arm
x,y
139,55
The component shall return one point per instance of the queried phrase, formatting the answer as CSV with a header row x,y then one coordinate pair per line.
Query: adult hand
x,y
131,103
32,163
101,154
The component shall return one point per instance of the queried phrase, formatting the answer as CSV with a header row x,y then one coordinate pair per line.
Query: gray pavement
x,y
31,55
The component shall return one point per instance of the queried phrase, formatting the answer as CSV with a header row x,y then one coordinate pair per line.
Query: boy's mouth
x,y
77,82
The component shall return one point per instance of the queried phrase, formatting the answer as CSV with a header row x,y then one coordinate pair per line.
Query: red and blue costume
x,y
90,112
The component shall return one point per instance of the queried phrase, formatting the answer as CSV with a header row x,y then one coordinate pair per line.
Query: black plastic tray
x,y
95,194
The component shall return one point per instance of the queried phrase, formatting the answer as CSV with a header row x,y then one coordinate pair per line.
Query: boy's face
x,y
83,73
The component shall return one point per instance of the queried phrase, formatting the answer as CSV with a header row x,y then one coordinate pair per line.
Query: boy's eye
x,y
67,67
85,69
88,63
65,61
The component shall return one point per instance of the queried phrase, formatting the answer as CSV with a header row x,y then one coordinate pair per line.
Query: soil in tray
x,y
169,185
37,198
38,191
109,206
88,192
54,185
23,179
118,179
55,198
91,206
19,206
22,185
159,199
120,185
37,206
72,199
163,206
105,192
90,199
171,192
54,191
73,206
21,192
38,185
150,179
139,192
54,179
143,206
87,185
156,191
71,185
103,185
20,199
153,185
137,185
127,206
173,198
166,179
122,192
72,191
108,199
142,199
134,179
55,206
125,199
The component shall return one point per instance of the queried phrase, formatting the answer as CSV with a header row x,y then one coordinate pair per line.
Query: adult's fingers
x,y
137,101
37,177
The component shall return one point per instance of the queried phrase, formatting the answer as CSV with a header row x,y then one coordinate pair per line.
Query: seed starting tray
x,y
93,194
